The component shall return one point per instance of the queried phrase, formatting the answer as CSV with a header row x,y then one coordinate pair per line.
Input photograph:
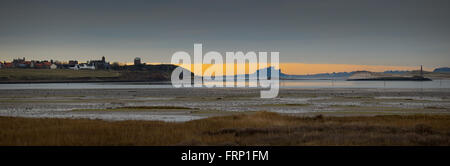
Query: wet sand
x,y
197,103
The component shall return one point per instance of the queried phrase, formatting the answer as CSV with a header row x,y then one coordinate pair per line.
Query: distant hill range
x,y
321,76
443,72
283,76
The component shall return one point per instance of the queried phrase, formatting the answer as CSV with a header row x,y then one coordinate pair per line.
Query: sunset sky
x,y
304,69
312,36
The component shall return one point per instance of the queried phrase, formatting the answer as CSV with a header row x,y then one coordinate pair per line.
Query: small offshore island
x,y
370,76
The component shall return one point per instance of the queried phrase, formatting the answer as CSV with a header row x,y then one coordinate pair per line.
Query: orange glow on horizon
x,y
305,69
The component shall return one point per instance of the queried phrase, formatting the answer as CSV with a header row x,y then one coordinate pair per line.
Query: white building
x,y
83,67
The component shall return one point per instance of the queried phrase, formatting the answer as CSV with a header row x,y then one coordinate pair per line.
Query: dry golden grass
x,y
67,75
260,128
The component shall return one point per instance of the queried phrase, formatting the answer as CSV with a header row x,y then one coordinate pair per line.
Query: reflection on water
x,y
283,84
250,83
364,84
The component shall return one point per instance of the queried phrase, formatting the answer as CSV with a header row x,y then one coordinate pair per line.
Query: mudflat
x,y
173,104
225,116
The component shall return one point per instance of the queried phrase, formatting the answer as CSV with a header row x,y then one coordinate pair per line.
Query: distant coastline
x,y
392,79
162,73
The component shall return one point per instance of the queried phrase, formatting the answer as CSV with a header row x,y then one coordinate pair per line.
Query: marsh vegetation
x,y
261,128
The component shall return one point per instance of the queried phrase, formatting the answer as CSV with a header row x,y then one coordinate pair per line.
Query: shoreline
x,y
102,80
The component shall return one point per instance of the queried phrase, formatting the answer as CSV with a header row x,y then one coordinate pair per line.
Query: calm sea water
x,y
283,84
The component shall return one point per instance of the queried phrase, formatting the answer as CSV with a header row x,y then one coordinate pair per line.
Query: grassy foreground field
x,y
57,74
67,75
261,128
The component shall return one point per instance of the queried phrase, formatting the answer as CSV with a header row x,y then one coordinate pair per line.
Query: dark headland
x,y
21,70
149,73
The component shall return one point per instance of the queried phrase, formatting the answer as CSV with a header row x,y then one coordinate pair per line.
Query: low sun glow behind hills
x,y
304,69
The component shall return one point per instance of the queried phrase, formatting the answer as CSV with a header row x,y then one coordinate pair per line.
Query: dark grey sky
x,y
365,32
